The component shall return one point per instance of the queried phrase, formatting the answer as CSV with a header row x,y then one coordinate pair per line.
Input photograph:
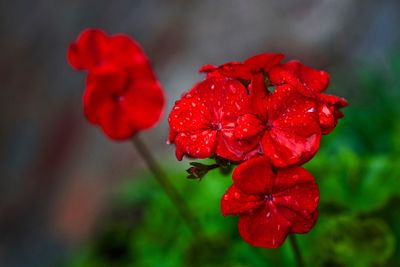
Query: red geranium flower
x,y
122,95
203,121
311,83
287,122
271,204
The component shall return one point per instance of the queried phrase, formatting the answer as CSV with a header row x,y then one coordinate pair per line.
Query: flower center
x,y
268,126
268,197
216,126
117,97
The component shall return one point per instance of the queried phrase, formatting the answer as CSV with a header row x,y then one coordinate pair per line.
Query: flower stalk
x,y
169,189
296,251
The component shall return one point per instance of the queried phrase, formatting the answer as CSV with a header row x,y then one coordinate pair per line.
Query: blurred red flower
x,y
271,203
122,94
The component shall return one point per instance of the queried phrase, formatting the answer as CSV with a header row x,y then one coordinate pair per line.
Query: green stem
x,y
169,189
296,251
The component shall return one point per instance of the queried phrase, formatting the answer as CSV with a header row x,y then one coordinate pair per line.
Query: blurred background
x,y
70,197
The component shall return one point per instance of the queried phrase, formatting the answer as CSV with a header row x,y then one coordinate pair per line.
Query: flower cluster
x,y
268,117
122,94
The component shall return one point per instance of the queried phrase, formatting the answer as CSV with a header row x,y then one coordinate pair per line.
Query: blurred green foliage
x,y
357,169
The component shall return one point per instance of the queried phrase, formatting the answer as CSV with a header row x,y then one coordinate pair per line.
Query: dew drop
x,y
238,106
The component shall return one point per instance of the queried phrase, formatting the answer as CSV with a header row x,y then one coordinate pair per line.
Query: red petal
x,y
254,177
235,201
329,112
294,134
189,114
258,94
96,102
263,61
225,98
248,126
307,80
235,70
228,70
199,144
207,68
89,50
264,227
103,110
279,75
333,100
128,52
327,119
108,76
230,147
143,102
300,224
317,80
295,189
117,125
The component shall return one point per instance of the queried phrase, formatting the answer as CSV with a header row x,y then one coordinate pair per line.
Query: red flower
x,y
311,83
271,204
122,95
287,122
203,121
